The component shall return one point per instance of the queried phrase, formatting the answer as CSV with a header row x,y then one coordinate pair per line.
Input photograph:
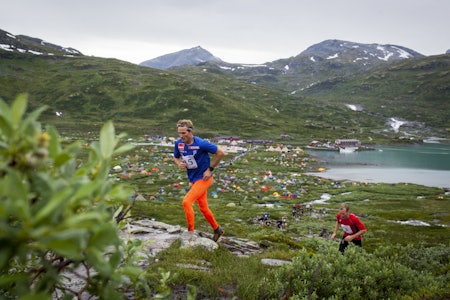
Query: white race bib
x,y
347,228
190,161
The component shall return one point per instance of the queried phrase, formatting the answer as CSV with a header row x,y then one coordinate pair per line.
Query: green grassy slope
x,y
141,100
416,90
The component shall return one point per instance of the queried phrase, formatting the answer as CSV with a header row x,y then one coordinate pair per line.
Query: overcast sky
x,y
236,31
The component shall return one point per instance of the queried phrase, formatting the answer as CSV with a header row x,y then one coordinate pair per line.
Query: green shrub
x,y
354,275
57,216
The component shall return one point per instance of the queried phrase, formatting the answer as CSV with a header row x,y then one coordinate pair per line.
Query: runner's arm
x,y
336,227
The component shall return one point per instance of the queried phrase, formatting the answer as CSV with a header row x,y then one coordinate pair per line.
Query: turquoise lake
x,y
425,164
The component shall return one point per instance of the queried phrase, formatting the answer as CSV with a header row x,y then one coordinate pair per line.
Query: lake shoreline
x,y
432,178
427,164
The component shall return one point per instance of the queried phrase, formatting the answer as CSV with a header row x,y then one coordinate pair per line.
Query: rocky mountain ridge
x,y
331,49
193,56
337,51
328,59
30,45
334,50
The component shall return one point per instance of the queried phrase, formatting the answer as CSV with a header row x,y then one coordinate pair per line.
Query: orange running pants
x,y
198,192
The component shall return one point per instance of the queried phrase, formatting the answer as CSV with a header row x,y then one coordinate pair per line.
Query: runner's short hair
x,y
185,123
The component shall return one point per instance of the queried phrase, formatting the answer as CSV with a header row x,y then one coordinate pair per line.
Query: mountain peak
x,y
192,56
331,49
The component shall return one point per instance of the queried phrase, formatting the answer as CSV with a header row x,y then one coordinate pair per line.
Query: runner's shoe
x,y
217,234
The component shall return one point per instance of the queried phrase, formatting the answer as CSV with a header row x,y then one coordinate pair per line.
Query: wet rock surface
x,y
157,236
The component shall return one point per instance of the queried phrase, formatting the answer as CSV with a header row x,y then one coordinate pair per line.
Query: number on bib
x,y
190,161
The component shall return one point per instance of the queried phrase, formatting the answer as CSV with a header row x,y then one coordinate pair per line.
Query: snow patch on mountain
x,y
396,123
354,107
336,55
333,49
30,45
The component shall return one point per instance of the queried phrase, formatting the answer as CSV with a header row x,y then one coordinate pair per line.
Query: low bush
x,y
355,275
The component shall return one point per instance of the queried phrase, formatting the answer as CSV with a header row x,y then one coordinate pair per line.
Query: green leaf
x,y
107,140
15,186
98,260
18,109
37,296
54,147
16,192
54,206
106,235
5,254
30,125
5,125
4,108
5,120
8,279
86,219
62,159
115,258
69,242
123,149
88,190
192,292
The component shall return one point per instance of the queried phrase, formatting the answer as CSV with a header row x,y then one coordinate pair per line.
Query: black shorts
x,y
343,244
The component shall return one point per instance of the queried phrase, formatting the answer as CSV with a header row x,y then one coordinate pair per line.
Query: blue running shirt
x,y
195,155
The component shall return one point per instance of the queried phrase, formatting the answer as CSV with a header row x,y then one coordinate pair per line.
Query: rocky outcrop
x,y
157,236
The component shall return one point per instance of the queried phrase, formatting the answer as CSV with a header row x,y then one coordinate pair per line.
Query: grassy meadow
x,y
249,185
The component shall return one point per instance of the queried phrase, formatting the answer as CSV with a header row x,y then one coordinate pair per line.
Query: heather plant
x,y
58,215
357,274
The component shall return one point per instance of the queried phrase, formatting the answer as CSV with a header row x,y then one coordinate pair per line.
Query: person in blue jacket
x,y
192,153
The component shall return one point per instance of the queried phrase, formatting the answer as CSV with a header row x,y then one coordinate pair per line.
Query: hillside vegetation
x,y
143,100
416,90
89,91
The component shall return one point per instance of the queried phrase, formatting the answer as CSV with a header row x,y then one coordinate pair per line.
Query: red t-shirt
x,y
349,225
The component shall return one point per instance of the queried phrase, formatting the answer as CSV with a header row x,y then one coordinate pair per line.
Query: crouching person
x,y
351,225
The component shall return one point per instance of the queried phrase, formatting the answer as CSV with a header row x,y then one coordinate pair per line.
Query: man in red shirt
x,y
351,225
